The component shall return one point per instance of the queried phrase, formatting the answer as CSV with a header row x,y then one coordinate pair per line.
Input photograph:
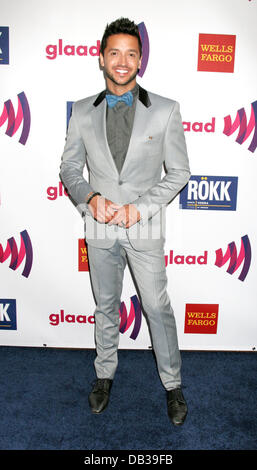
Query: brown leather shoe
x,y
177,407
99,397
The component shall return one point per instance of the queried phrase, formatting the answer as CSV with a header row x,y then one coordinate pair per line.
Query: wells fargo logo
x,y
216,53
201,318
135,315
231,256
82,255
17,256
14,122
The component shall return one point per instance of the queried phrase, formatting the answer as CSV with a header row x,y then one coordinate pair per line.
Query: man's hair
x,y
120,26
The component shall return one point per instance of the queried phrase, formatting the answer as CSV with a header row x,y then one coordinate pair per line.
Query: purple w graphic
x,y
18,257
235,261
145,47
14,122
135,315
244,128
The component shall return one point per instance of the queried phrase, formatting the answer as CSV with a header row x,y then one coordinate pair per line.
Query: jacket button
x,y
120,182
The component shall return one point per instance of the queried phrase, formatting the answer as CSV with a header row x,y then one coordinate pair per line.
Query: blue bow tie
x,y
113,99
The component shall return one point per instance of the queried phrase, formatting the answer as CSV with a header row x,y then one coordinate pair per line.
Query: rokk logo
x,y
4,45
17,257
245,128
135,315
14,122
235,260
210,193
201,318
216,53
8,314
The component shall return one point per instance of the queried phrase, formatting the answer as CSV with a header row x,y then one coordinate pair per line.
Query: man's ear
x,y
140,62
101,59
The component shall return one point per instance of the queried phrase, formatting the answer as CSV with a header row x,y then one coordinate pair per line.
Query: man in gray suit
x,y
125,135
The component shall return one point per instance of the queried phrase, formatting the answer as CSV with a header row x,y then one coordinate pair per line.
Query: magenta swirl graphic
x,y
245,129
135,315
145,48
14,122
17,256
236,260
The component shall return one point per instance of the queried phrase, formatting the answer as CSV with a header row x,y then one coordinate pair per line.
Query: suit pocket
x,y
152,145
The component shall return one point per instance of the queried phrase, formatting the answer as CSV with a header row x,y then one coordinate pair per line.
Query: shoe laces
x,y
176,396
101,385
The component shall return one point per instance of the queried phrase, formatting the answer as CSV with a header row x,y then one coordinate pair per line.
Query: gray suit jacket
x,y
157,141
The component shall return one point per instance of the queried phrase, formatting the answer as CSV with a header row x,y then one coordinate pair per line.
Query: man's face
x,y
121,60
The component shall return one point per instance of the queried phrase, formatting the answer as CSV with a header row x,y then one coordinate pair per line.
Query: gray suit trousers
x,y
149,273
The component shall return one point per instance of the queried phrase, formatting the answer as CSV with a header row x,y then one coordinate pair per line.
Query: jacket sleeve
x,y
73,163
176,166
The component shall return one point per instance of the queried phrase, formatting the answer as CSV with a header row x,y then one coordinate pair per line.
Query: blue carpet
x,y
44,402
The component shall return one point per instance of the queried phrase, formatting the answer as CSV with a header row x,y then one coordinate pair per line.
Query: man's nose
x,y
123,60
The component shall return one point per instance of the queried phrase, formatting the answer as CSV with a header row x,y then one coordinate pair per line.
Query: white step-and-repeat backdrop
x,y
200,53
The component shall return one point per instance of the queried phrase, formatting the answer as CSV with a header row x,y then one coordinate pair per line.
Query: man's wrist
x,y
91,196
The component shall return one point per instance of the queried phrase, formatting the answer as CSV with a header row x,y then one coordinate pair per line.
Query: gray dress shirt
x,y
119,124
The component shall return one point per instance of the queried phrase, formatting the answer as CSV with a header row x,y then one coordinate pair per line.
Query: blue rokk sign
x,y
4,45
8,314
210,192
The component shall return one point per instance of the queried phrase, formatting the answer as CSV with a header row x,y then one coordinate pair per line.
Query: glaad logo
x,y
234,260
199,126
8,314
145,48
244,128
240,123
53,50
210,192
230,255
56,318
53,192
135,315
4,45
14,122
18,256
